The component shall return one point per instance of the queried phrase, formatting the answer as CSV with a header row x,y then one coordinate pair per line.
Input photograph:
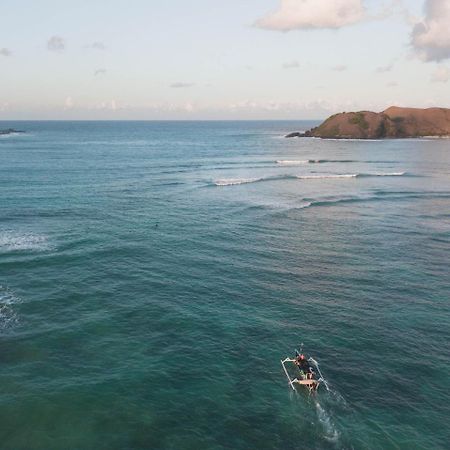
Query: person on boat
x,y
302,363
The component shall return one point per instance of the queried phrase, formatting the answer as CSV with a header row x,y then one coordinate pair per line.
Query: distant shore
x,y
394,122
10,131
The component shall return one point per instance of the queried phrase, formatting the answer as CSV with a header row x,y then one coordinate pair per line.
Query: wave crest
x,y
237,181
319,177
381,174
293,162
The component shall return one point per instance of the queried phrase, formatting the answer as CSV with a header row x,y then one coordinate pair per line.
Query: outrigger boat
x,y
307,372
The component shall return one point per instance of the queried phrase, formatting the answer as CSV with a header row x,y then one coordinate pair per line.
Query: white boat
x,y
303,371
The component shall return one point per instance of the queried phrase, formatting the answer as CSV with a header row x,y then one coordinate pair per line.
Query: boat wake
x,y
8,316
331,432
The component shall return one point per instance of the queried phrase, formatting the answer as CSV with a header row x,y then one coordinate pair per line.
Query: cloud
x,y
110,105
99,72
384,69
56,44
68,103
291,65
307,14
5,52
431,37
442,75
339,68
181,85
392,84
96,46
316,108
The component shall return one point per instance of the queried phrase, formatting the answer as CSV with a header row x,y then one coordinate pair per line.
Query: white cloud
x,y
99,72
307,14
392,84
339,68
252,106
56,44
384,69
68,103
110,105
431,37
291,65
96,46
5,52
180,85
442,75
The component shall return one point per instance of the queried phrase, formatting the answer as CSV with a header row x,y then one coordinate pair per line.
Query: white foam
x,y
7,314
391,174
351,175
235,181
288,162
319,177
331,433
13,241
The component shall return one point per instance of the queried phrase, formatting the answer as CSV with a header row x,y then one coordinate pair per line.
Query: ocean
x,y
154,274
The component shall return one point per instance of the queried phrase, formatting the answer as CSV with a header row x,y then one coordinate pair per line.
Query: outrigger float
x,y
307,372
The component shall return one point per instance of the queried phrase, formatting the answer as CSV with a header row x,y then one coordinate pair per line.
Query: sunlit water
x,y
154,274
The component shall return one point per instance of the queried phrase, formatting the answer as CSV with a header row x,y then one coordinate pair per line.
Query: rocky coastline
x,y
394,122
10,131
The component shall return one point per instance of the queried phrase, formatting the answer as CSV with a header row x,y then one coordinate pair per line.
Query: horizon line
x,y
161,120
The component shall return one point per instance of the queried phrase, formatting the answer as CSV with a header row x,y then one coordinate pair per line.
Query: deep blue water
x,y
153,274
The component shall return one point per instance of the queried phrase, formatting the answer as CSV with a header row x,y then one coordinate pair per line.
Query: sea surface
x,y
154,274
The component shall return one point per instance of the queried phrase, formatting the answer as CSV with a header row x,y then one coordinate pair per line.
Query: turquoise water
x,y
154,274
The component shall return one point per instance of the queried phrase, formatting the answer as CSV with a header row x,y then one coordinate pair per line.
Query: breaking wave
x,y
237,181
381,174
384,196
294,162
351,175
234,181
9,135
12,241
319,177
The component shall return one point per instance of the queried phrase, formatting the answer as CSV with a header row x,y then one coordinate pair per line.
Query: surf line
x,y
238,181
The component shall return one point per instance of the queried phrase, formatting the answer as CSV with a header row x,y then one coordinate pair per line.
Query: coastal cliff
x,y
394,122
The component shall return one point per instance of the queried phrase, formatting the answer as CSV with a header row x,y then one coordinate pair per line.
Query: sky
x,y
212,59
